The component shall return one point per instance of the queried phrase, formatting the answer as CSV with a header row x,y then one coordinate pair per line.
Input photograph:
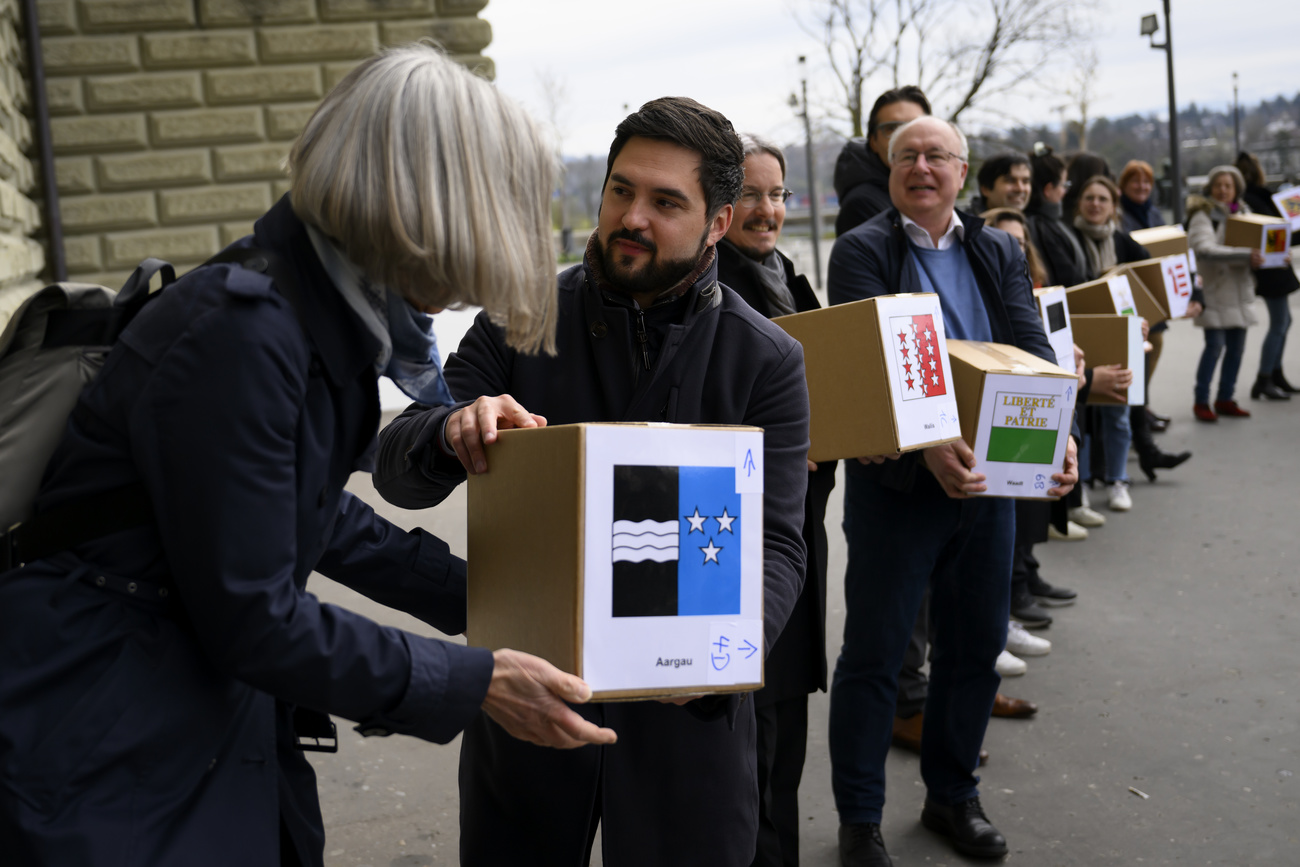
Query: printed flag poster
x,y
920,375
1288,205
673,584
1177,273
1055,311
1022,432
1276,246
1122,294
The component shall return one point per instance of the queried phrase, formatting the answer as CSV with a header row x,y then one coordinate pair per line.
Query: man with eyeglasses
x,y
862,169
912,522
750,264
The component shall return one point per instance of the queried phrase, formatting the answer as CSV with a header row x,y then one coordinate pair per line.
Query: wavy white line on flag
x,y
638,541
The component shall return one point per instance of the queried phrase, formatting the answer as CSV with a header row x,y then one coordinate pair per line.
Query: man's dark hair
x,y
906,93
1045,168
684,122
997,167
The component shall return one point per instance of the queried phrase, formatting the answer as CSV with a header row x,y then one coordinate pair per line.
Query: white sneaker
x,y
1021,642
1074,533
1120,501
1010,666
1083,493
1087,517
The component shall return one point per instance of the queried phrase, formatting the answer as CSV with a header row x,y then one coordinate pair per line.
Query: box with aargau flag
x,y
1016,410
879,382
630,555
1268,234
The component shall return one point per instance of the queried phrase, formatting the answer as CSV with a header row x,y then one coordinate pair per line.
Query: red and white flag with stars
x,y
918,356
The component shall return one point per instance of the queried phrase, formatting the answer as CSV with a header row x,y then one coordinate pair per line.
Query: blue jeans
x,y
1216,340
1279,320
1116,435
898,543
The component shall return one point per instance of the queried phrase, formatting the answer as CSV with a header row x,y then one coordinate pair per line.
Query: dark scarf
x,y
682,286
1141,213
770,275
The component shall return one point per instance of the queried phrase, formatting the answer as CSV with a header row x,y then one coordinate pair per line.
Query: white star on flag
x,y
724,522
710,552
697,521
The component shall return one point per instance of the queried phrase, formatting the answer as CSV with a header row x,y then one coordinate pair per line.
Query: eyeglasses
x,y
751,198
935,157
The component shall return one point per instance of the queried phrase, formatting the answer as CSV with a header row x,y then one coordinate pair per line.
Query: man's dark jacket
x,y
875,259
720,362
861,183
797,664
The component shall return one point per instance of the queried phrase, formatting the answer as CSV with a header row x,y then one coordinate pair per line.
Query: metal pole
x,y
1236,121
814,211
1175,146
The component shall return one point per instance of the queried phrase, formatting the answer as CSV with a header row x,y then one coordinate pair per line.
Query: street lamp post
x,y
1150,24
814,211
1236,120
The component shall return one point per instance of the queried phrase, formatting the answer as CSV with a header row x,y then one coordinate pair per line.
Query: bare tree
x,y
1081,91
963,54
554,94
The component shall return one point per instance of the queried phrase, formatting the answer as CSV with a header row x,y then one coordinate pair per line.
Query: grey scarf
x,y
769,274
1101,244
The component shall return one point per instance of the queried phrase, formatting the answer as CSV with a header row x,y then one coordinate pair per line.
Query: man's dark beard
x,y
656,276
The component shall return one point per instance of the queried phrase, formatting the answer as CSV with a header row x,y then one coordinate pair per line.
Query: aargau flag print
x,y
917,356
676,540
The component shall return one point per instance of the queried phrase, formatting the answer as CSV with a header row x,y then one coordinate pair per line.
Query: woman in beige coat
x,y
1228,274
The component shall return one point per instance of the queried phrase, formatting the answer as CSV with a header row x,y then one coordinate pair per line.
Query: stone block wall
x,y
21,257
171,118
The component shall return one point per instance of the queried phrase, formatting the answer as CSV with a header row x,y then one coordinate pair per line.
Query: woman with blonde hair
x,y
160,681
1013,222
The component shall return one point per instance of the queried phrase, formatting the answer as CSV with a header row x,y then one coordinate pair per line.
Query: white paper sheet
x,y
1055,312
920,382
1137,362
1177,271
722,529
1288,205
1122,294
1014,404
1276,246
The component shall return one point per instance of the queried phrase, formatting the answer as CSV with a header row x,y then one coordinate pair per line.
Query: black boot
x,y
1150,457
1280,381
1264,386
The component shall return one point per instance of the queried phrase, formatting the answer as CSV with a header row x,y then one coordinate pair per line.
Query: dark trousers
x,y
675,789
913,685
782,745
898,543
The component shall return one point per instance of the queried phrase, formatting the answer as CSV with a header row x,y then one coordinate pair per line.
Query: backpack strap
x,y
97,515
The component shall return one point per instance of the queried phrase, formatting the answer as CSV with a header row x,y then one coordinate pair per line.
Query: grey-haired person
x,y
155,681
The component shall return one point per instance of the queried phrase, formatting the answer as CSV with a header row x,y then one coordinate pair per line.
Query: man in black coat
x,y
862,169
645,333
912,522
750,264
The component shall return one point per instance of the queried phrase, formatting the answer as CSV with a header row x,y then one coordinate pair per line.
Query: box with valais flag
x,y
630,555
1016,411
879,382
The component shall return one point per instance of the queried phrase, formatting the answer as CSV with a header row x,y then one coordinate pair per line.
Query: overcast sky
x,y
741,58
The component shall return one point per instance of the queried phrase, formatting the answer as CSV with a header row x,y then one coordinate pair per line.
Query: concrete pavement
x,y
1174,674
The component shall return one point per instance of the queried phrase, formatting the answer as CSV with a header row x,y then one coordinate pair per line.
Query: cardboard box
x,y
1117,292
1167,280
867,390
1114,340
628,554
1016,411
1162,241
1055,310
1270,235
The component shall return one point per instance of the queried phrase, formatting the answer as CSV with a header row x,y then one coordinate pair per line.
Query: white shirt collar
x,y
955,232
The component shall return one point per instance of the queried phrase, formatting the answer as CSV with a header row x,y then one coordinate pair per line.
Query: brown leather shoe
x,y
907,735
1013,708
